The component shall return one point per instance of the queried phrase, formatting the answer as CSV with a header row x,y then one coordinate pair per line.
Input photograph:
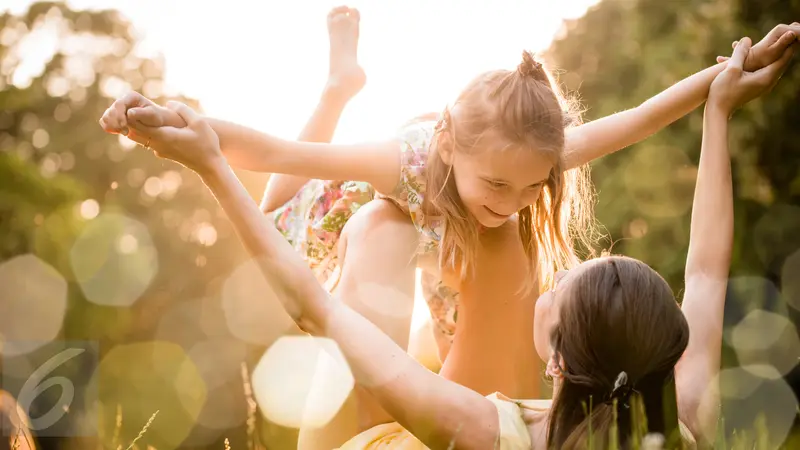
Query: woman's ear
x,y
553,369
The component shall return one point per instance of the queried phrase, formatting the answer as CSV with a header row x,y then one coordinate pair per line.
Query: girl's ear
x,y
445,147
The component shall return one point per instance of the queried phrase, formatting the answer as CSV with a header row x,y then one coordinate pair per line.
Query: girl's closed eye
x,y
536,186
495,184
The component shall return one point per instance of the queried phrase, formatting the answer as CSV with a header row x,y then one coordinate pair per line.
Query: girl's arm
x,y
590,141
598,138
437,411
320,128
245,148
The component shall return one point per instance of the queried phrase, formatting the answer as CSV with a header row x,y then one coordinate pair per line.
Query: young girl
x,y
594,328
488,158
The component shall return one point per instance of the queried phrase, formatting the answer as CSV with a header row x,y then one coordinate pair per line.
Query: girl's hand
x,y
115,119
734,87
196,145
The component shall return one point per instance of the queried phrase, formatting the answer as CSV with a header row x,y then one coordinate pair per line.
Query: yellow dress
x,y
514,433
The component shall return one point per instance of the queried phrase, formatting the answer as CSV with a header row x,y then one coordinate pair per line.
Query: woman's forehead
x,y
573,273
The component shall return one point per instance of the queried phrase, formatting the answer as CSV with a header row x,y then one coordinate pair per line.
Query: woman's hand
x,y
196,145
769,49
734,87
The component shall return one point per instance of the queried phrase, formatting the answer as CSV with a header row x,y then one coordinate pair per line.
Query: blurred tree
x,y
616,56
59,174
623,52
83,200
773,157
26,197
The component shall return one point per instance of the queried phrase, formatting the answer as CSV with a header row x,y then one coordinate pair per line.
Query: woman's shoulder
x,y
531,415
523,423
537,404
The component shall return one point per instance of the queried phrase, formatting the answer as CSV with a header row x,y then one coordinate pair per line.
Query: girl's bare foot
x,y
345,78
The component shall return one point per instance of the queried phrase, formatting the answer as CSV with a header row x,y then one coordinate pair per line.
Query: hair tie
x,y
622,391
530,67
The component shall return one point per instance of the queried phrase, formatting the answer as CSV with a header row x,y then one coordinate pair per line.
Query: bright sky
x,y
263,64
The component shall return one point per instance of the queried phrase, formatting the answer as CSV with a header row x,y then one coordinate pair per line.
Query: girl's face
x,y
495,181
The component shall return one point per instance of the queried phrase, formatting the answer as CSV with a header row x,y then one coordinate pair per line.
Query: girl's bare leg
x,y
377,252
345,79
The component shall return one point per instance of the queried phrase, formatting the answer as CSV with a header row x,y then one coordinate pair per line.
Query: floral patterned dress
x,y
313,220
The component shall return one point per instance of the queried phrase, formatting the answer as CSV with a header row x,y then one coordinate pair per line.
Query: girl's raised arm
x,y
592,140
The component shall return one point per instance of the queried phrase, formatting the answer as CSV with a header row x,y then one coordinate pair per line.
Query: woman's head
x,y
610,316
499,151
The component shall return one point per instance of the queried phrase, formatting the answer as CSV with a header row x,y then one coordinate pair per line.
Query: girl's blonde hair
x,y
528,110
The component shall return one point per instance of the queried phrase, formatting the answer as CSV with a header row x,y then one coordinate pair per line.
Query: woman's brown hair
x,y
619,336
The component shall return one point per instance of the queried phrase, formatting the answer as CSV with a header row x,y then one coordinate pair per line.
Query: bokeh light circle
x,y
33,302
141,379
302,381
765,338
755,408
114,260
253,311
790,280
776,233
